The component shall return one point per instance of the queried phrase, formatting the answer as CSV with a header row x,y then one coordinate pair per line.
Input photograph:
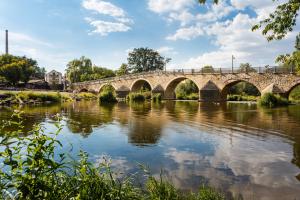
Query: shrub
x,y
156,97
271,100
136,96
236,97
107,97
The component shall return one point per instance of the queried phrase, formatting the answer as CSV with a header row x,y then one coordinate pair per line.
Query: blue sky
x,y
57,31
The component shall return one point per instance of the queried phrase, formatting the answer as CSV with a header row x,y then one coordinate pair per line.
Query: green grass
x,y
237,97
272,100
32,171
86,96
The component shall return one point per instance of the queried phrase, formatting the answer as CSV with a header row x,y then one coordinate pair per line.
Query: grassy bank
x,y
28,97
32,170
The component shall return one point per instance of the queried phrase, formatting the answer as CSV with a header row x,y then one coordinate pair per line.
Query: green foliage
x,y
271,100
144,60
156,97
246,68
295,94
244,88
281,21
33,170
107,96
136,96
187,90
34,97
123,70
236,97
15,69
86,96
291,60
207,69
82,69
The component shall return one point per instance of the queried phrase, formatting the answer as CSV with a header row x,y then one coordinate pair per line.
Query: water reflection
x,y
247,152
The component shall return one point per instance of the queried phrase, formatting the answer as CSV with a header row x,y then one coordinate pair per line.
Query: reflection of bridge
x,y
213,84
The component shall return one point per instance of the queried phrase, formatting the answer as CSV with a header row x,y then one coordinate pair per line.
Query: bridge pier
x,y
210,93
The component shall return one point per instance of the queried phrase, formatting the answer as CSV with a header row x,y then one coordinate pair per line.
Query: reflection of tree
x,y
31,115
144,128
83,116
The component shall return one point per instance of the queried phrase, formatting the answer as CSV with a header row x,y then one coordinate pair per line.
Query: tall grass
x,y
32,170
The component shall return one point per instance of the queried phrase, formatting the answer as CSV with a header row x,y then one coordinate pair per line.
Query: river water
x,y
245,151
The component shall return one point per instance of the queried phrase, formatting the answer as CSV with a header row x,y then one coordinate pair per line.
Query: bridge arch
x,y
138,84
296,84
83,90
171,86
102,87
226,89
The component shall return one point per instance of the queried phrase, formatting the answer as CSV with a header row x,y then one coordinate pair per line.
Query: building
x,y
54,78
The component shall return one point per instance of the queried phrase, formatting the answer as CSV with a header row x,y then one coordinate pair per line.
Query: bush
x,y
33,170
236,97
107,97
271,100
156,97
136,96
184,96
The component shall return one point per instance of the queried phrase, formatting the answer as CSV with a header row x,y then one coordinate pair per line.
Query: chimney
x,y
6,41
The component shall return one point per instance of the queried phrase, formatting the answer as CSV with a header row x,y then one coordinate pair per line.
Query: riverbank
x,y
41,97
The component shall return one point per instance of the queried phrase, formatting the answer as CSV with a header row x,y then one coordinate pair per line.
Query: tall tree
x,y
78,67
145,59
82,69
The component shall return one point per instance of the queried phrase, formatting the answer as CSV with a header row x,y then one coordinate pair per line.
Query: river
x,y
245,151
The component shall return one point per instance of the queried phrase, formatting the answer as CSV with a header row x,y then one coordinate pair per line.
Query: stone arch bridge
x,y
212,85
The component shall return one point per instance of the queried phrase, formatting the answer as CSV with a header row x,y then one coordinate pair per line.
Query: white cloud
x,y
120,23
163,6
236,38
104,28
167,50
186,33
103,7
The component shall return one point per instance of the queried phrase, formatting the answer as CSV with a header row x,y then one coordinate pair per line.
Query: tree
x,y
12,72
78,67
291,60
144,59
207,69
82,69
15,68
123,70
281,21
246,67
